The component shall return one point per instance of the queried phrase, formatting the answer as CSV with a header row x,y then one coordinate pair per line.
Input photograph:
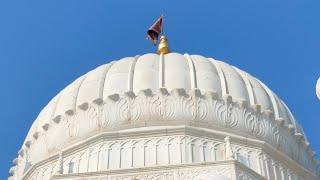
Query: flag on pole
x,y
155,30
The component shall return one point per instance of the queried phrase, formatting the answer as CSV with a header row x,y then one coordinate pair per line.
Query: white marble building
x,y
165,117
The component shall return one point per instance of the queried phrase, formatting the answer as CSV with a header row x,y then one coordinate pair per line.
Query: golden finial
x,y
163,47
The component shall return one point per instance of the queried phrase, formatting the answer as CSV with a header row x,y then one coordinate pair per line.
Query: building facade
x,y
165,117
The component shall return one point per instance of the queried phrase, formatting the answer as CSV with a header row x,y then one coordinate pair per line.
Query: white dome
x,y
173,75
175,71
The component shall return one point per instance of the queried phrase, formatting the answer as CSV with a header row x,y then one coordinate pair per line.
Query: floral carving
x,y
202,111
230,117
123,110
137,108
276,138
155,108
149,176
168,108
218,111
73,126
191,174
254,124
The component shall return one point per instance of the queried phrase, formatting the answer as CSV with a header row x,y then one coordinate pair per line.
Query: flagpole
x,y
154,32
163,47
162,27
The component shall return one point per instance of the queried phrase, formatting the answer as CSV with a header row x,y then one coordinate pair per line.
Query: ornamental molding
x,y
238,142
170,172
228,169
161,108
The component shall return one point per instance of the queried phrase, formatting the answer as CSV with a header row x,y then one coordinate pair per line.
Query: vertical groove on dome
x,y
223,83
68,100
272,98
101,90
248,85
193,77
283,113
292,119
77,92
161,71
103,77
131,73
55,103
89,91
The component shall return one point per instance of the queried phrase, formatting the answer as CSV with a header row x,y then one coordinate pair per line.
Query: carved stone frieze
x,y
160,108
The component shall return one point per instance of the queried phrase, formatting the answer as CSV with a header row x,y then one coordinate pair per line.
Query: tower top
x,y
163,47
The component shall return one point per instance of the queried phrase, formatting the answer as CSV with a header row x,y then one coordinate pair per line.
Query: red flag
x,y
155,30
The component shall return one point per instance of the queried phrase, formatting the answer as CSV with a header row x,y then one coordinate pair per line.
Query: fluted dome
x,y
144,91
150,71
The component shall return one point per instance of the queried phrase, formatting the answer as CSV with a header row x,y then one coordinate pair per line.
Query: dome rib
x,y
248,85
118,72
283,113
193,76
131,73
68,99
260,95
53,112
206,74
292,119
103,84
76,98
54,108
223,83
90,88
272,98
161,71
235,84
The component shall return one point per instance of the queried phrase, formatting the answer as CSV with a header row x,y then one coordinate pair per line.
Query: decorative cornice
x,y
145,132
208,110
157,169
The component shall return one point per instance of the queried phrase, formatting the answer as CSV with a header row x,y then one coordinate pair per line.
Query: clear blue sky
x,y
45,45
